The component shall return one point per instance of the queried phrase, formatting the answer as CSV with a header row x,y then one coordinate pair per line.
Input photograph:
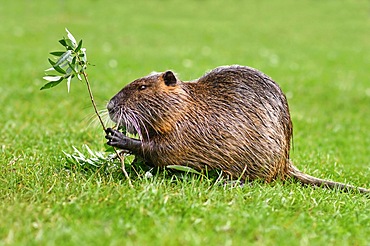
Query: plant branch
x,y
92,100
122,159
70,63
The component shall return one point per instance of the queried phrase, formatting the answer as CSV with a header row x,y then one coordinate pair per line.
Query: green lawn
x,y
318,51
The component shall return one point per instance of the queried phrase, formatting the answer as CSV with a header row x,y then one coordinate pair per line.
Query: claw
x,y
119,140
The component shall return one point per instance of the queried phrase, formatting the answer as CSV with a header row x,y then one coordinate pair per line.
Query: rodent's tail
x,y
306,179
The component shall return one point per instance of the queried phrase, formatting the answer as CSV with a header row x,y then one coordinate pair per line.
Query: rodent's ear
x,y
169,78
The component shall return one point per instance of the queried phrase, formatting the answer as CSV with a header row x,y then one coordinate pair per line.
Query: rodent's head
x,y
148,105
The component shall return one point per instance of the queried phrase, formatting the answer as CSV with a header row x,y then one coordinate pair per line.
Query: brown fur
x,y
234,118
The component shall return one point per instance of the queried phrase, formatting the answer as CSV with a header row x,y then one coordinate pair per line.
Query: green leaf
x,y
79,46
82,63
71,38
57,53
69,70
52,77
72,66
108,149
51,84
51,62
66,55
59,69
63,42
70,44
183,169
84,57
69,78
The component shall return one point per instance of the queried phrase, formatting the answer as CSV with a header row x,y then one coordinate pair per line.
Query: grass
x,y
318,51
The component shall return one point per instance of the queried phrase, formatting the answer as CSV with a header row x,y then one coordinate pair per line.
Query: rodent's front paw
x,y
119,140
115,138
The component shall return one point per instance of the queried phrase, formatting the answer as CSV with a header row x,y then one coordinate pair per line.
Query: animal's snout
x,y
110,105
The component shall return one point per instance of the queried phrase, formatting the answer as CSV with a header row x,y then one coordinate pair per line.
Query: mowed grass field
x,y
319,53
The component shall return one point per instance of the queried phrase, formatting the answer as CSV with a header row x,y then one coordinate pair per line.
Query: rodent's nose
x,y
110,105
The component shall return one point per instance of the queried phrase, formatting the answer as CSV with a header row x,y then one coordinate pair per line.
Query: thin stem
x,y
93,101
122,159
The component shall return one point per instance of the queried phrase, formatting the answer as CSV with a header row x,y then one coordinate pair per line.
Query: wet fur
x,y
234,118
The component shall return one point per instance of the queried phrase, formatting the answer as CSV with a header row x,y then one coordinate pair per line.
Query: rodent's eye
x,y
142,87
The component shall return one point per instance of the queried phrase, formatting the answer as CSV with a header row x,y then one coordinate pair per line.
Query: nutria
x,y
234,118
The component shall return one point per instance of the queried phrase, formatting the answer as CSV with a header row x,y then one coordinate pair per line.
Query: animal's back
x,y
234,118
237,119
